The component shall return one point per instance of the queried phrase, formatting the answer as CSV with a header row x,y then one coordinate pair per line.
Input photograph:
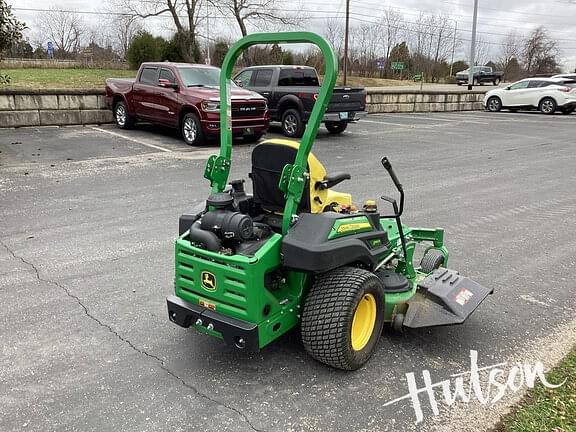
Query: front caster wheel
x,y
431,260
343,317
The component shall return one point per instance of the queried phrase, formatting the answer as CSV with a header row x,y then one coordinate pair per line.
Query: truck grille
x,y
248,109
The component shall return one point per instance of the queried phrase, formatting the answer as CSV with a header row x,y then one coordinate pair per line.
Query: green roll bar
x,y
293,179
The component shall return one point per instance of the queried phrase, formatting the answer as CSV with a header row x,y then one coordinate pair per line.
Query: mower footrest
x,y
444,298
235,332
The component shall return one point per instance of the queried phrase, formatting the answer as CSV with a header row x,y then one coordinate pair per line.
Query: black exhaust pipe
x,y
206,239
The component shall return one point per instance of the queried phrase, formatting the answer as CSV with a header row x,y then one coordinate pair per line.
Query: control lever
x,y
331,181
397,211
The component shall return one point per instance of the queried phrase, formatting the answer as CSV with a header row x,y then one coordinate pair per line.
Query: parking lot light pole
x,y
346,40
473,47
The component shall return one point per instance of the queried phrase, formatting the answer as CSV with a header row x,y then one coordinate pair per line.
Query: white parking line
x,y
411,117
131,139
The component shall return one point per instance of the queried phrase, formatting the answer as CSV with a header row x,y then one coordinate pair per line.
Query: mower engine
x,y
223,228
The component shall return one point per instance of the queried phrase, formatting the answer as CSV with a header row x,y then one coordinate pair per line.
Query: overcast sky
x,y
496,17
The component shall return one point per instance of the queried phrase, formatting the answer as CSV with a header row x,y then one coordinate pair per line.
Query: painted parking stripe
x,y
410,117
127,138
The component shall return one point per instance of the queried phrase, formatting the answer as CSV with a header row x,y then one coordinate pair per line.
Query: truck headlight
x,y
210,106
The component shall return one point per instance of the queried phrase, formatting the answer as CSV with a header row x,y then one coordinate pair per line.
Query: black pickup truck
x,y
291,92
480,75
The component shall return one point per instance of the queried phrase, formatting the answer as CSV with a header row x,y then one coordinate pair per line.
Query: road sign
x,y
50,47
397,66
380,63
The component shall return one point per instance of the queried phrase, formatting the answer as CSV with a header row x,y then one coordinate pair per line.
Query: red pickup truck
x,y
185,96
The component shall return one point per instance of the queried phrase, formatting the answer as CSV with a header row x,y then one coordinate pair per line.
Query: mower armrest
x,y
331,181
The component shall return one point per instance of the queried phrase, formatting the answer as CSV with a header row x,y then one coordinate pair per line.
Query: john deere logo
x,y
208,281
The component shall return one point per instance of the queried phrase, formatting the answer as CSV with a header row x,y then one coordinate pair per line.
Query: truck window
x,y
148,75
262,78
243,78
298,77
167,75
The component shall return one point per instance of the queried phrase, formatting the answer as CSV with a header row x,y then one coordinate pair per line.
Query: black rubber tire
x,y
494,104
567,110
121,117
292,124
459,83
336,127
547,106
431,260
328,314
191,130
252,138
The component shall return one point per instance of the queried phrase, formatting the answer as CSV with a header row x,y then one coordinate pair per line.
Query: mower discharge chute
x,y
251,267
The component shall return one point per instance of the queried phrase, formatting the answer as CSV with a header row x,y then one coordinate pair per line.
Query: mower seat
x,y
268,161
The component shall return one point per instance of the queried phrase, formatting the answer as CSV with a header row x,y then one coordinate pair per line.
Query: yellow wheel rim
x,y
363,321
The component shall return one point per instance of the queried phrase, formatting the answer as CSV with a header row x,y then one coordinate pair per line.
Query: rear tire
x,y
547,106
336,127
191,130
292,124
123,119
494,104
343,317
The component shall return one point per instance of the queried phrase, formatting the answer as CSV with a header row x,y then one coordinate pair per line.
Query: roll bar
x,y
293,180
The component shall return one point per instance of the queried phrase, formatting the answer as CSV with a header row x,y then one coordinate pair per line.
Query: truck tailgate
x,y
347,99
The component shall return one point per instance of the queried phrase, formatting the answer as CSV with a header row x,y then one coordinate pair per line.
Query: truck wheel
x,y
494,104
192,130
431,260
292,124
121,116
343,317
336,127
547,105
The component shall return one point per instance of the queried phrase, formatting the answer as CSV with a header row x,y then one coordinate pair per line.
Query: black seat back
x,y
268,161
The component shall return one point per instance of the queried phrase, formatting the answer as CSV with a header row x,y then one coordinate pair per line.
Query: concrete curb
x,y
43,107
52,107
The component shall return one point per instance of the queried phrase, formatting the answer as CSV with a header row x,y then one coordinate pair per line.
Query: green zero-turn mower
x,y
295,253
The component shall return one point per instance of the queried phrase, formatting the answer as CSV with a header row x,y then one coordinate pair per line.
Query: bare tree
x,y
511,48
246,11
482,51
540,53
123,29
390,28
334,34
63,28
186,17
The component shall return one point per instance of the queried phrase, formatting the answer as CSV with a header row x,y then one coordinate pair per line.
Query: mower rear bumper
x,y
235,332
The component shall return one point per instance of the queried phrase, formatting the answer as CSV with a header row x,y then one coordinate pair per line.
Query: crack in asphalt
x,y
160,361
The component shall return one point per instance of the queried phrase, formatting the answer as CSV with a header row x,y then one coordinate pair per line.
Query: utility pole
x,y
346,40
453,46
473,47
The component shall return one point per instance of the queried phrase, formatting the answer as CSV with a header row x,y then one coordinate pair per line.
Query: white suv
x,y
544,94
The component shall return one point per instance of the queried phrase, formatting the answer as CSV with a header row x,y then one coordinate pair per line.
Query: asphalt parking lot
x,y
88,220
